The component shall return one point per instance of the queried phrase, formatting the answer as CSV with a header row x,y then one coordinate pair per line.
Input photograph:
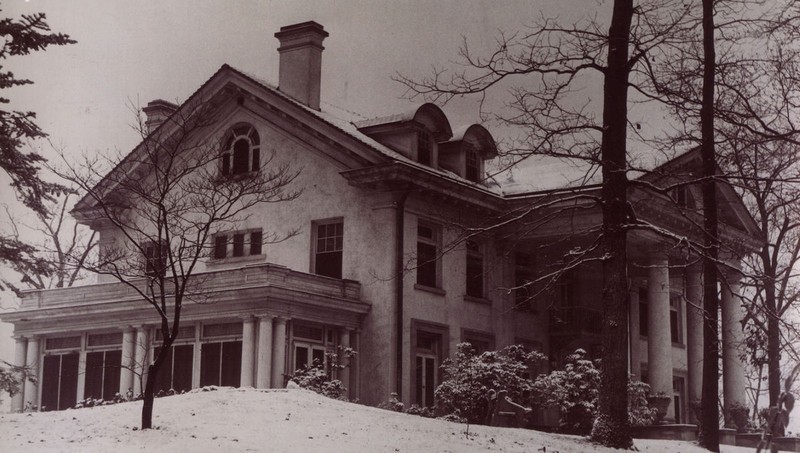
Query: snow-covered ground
x,y
234,420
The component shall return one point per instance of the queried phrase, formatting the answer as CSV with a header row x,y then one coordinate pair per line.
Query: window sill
x,y
477,300
678,345
236,259
430,289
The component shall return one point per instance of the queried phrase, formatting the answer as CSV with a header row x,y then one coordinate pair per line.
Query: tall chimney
x,y
157,111
301,61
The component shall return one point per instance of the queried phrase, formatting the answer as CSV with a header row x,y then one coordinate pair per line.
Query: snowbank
x,y
232,420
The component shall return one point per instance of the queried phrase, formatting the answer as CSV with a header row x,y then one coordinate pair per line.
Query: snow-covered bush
x,y
639,412
317,376
470,379
393,404
573,390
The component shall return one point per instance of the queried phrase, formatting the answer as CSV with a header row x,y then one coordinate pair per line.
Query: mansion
x,y
404,249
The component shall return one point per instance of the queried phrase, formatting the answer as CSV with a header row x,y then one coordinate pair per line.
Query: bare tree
x,y
62,250
162,204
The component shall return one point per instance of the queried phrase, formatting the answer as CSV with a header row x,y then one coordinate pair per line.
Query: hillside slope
x,y
233,420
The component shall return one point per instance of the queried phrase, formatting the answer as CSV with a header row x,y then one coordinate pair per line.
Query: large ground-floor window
x,y
221,363
176,371
102,374
59,381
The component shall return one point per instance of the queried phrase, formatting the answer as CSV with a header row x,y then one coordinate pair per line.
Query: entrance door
x,y
308,353
59,381
426,370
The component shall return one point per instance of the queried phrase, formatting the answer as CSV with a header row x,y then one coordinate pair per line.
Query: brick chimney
x,y
301,61
157,111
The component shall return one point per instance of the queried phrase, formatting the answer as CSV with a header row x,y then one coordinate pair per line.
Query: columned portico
x,y
248,351
263,374
659,342
31,388
20,353
694,335
734,382
278,352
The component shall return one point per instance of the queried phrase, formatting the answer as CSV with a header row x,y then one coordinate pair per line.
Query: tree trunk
x,y
709,414
773,347
612,427
149,388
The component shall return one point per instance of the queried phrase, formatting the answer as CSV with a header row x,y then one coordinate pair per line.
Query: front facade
x,y
392,257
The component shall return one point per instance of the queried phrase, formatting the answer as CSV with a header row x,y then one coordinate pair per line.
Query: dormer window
x,y
242,152
424,147
473,164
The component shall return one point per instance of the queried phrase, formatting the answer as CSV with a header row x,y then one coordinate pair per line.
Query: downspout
x,y
400,216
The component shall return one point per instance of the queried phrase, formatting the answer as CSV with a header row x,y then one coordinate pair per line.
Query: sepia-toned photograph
x,y
556,226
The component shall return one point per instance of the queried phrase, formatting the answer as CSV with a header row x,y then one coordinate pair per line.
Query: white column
x,y
635,362
355,367
278,352
20,351
659,341
126,373
264,362
248,351
82,368
32,361
196,354
694,335
140,359
344,342
734,382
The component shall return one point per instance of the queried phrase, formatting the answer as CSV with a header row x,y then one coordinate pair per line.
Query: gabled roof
x,y
346,133
687,166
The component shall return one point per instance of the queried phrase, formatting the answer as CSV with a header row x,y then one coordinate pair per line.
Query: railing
x,y
215,281
575,320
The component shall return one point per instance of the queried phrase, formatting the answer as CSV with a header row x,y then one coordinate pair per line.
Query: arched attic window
x,y
241,153
424,147
472,163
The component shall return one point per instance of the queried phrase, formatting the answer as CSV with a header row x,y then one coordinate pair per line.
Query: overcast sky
x,y
140,51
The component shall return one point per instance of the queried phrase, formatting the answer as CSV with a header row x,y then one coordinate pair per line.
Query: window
x,y
155,259
102,374
522,279
643,312
328,245
237,244
481,342
474,269
221,355
566,289
427,254
176,371
683,197
676,332
242,152
424,147
678,385
60,381
473,166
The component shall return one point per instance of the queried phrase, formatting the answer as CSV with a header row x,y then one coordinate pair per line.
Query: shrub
x,y
469,380
317,376
573,390
393,404
639,412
